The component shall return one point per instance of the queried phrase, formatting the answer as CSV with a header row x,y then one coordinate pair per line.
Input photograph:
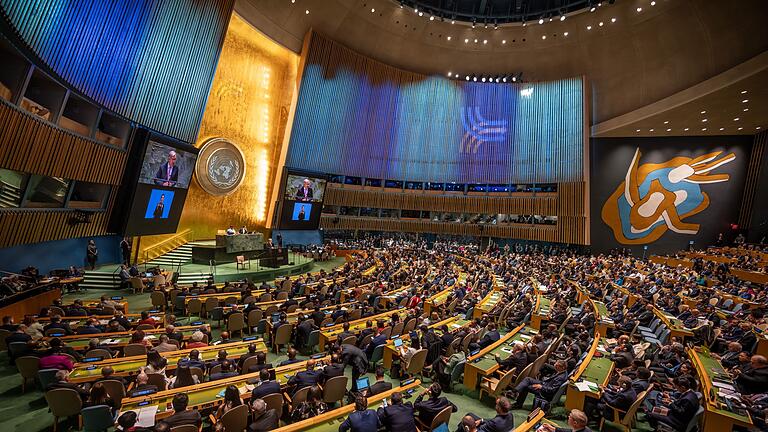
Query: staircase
x,y
101,279
10,195
179,256
187,278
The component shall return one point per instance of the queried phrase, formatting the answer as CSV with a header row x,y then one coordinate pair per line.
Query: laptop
x,y
275,318
363,383
398,342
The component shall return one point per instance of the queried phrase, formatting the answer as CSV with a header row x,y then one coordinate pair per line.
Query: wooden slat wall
x,y
753,178
30,226
567,204
150,61
32,145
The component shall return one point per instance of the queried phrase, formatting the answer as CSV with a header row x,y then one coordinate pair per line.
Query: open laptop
x,y
398,342
363,383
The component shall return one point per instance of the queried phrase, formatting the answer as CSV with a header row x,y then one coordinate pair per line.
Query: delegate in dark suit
x,y
304,194
264,422
379,387
355,357
398,417
754,380
681,411
500,423
265,388
361,421
544,389
303,379
430,408
186,417
161,176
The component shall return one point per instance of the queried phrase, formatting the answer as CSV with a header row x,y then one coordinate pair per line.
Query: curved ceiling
x,y
632,53
495,12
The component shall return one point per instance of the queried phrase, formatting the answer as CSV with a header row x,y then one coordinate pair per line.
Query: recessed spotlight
x,y
686,129
637,130
600,24
589,27
449,38
743,92
485,41
703,120
650,130
293,1
373,10
306,12
416,10
421,13
467,77
543,36
703,129
722,129
666,122
639,9
745,101
745,109
703,112
466,40
758,128
541,20
475,40
653,3
482,79
431,17
562,17
613,20
741,128
503,41
550,19
453,21
474,79
450,73
565,33
736,119
669,130
592,9
504,79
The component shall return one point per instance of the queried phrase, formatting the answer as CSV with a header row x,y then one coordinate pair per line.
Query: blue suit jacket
x,y
361,421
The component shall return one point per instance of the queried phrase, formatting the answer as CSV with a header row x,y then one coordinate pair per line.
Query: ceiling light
x,y
653,3
475,40
431,17
745,101
758,128
293,1
741,128
600,24
474,79
504,41
416,10
686,129
592,9
722,128
504,79
485,41
639,9
543,36
589,27
373,10
449,38
650,130
562,17
565,34
743,92
482,79
306,12
541,20
736,119
666,122
637,130
449,73
613,20
466,40
421,13
467,77
703,120
669,130
703,112
703,129
514,79
746,109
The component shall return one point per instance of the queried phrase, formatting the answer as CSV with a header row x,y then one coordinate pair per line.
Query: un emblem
x,y
220,167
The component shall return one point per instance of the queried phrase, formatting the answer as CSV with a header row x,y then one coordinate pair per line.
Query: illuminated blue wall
x,y
149,60
362,118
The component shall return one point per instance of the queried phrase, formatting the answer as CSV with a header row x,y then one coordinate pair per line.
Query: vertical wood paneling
x,y
28,226
150,61
753,178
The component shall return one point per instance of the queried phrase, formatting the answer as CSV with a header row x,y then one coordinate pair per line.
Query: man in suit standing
x,y
430,408
266,386
125,248
399,416
304,193
362,419
380,386
168,173
355,357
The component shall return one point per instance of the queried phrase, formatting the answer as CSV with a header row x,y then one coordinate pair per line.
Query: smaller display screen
x,y
167,166
302,203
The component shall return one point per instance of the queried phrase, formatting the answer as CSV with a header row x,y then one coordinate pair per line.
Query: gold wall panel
x,y
248,104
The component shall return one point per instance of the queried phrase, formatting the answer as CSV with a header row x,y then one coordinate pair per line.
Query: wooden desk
x,y
487,303
484,363
133,319
530,425
127,366
80,342
122,305
22,304
331,420
593,369
540,311
328,334
676,327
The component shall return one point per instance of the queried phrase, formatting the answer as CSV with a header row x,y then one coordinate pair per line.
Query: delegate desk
x,y
119,339
330,421
328,334
718,416
483,363
594,371
390,352
293,317
540,311
432,303
487,303
133,319
128,366
94,305
676,327
533,421
602,319
208,394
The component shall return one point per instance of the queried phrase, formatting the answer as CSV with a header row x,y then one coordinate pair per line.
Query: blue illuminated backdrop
x,y
359,117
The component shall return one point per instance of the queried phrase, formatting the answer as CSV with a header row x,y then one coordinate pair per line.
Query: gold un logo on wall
x,y
654,198
220,167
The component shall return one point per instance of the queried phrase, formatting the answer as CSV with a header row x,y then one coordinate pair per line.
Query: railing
x,y
167,245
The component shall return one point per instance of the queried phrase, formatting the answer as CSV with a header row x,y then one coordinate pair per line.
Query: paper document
x,y
146,416
586,386
723,385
